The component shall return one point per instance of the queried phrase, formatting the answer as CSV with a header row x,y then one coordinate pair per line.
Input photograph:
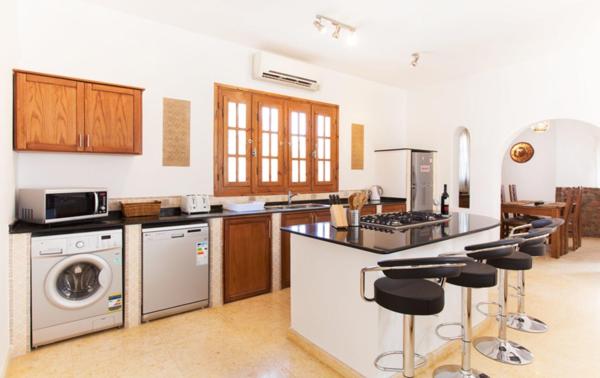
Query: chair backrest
x,y
568,205
577,198
492,250
427,267
502,195
512,192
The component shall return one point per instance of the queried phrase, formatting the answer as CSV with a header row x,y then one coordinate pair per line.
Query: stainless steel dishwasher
x,y
175,274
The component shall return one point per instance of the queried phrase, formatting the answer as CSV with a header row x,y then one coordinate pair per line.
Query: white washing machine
x,y
76,284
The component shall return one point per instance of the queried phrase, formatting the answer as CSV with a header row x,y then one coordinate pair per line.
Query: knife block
x,y
338,216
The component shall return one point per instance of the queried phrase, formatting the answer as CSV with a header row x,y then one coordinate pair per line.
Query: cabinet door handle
x,y
80,140
87,140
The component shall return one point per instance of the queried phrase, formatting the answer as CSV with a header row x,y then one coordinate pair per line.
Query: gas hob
x,y
399,221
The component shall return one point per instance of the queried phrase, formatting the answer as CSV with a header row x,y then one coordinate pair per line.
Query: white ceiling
x,y
455,37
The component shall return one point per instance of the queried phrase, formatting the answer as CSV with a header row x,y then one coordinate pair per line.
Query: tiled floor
x,y
248,338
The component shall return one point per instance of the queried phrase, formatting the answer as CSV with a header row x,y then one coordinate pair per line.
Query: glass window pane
x,y
302,122
327,148
327,171
265,118
320,125
231,177
320,148
294,122
294,147
274,119
231,141
265,170
320,171
241,142
274,144
241,116
327,126
265,144
274,174
302,170
231,114
302,147
241,169
294,170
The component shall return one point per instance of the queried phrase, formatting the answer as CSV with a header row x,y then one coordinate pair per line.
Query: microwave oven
x,y
45,206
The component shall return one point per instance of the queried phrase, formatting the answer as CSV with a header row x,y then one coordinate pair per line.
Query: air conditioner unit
x,y
278,69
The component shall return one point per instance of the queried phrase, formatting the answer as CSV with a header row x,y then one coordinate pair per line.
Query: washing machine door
x,y
78,281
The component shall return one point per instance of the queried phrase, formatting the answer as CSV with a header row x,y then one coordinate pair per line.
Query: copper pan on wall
x,y
521,152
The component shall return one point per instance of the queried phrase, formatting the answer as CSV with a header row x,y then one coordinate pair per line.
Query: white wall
x,y
83,40
8,33
565,155
535,179
497,105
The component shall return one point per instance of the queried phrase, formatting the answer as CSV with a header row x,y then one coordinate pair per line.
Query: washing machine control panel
x,y
76,243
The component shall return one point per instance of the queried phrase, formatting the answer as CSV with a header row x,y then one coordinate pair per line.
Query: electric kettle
x,y
375,193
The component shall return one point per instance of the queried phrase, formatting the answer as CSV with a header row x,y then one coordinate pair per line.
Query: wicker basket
x,y
140,209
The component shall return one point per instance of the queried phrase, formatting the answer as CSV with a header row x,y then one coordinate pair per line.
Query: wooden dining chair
x,y
512,192
574,226
567,215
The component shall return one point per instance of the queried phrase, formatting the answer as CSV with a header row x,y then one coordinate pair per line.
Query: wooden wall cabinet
x,y
246,257
54,113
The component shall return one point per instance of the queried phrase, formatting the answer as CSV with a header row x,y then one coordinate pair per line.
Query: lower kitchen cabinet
x,y
291,219
394,207
246,257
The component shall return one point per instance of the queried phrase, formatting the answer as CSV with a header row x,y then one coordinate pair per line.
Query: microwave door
x,y
70,205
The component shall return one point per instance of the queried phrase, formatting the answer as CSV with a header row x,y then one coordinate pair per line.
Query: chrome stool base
x,y
455,371
524,322
420,360
504,351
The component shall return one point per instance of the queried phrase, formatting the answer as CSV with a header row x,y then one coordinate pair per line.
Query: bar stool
x,y
473,275
499,348
406,290
534,243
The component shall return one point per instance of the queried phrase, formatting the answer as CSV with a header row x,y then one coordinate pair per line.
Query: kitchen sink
x,y
298,206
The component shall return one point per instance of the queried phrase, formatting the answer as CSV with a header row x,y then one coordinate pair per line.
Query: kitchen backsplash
x,y
173,201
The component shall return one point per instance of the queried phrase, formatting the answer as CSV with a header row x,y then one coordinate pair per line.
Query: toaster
x,y
195,203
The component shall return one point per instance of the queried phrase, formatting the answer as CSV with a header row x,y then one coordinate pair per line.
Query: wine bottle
x,y
445,206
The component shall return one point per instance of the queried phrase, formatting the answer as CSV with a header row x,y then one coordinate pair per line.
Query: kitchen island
x,y
326,307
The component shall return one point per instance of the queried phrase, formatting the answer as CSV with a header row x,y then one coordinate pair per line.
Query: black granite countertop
x,y
168,216
459,224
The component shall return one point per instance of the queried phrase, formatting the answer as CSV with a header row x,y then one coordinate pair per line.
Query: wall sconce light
x,y
541,127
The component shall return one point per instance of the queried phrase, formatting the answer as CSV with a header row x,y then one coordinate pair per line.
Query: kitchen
x,y
194,72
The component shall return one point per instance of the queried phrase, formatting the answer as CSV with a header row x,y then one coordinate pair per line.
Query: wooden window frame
x,y
286,104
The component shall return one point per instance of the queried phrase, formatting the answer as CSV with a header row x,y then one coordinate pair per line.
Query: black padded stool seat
x,y
515,261
475,275
409,296
534,250
500,252
547,223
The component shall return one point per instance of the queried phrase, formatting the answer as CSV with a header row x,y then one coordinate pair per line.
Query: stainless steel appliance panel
x,y
422,181
175,274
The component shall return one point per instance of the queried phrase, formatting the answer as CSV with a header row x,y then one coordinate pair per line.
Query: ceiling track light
x,y
321,23
415,59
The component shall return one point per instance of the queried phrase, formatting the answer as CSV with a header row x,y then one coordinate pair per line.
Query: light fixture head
x,y
336,32
415,59
540,127
317,23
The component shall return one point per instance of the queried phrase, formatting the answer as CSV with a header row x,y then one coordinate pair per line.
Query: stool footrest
x,y
419,357
449,338
487,313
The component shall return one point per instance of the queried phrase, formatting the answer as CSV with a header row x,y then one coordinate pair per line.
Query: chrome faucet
x,y
290,196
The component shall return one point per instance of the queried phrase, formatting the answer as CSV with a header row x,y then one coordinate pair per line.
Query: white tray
x,y
248,206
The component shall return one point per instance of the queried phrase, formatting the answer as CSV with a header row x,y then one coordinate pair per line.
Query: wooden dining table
x,y
547,209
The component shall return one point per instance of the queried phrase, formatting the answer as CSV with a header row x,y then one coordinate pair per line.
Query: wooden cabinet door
x,y
290,219
113,119
394,207
48,113
322,216
246,257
